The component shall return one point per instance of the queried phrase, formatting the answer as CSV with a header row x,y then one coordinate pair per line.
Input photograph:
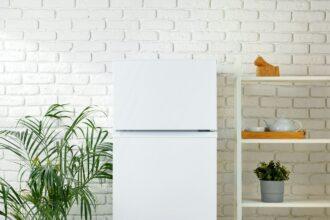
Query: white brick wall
x,y
61,51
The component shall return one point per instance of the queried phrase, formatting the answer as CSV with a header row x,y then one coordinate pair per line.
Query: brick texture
x,y
61,51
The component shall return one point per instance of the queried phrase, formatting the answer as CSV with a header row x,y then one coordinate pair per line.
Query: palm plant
x,y
59,158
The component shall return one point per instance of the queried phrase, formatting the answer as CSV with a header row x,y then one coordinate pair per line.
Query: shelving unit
x,y
286,79
285,141
287,204
246,203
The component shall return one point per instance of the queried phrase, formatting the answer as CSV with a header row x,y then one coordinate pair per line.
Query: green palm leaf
x,y
61,159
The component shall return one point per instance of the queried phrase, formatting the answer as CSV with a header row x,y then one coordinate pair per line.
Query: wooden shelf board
x,y
285,141
287,204
284,78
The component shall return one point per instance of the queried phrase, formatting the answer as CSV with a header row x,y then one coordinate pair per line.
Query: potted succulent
x,y
272,176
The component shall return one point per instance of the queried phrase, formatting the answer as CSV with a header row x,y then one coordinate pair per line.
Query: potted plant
x,y
272,176
60,155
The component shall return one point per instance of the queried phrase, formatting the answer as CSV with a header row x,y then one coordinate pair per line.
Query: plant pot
x,y
272,191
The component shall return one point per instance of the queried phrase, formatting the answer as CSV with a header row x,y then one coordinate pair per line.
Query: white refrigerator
x,y
165,140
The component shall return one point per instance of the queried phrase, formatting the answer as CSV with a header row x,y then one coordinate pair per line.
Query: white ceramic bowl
x,y
256,129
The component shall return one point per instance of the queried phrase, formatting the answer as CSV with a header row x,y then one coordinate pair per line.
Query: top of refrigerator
x,y
164,95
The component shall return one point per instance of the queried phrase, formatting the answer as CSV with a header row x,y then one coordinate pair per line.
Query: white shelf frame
x,y
286,141
246,203
285,79
298,203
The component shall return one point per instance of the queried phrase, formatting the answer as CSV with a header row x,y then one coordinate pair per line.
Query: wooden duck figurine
x,y
266,69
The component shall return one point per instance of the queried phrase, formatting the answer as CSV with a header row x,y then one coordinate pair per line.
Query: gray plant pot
x,y
272,191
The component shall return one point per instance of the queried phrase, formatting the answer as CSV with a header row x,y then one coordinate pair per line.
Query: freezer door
x,y
164,178
165,95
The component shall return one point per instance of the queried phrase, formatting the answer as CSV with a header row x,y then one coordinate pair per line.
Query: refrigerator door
x,y
165,176
165,95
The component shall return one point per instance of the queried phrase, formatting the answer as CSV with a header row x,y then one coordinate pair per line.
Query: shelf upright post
x,y
238,116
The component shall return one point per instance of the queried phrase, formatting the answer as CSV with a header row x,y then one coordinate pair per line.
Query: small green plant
x,y
272,171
